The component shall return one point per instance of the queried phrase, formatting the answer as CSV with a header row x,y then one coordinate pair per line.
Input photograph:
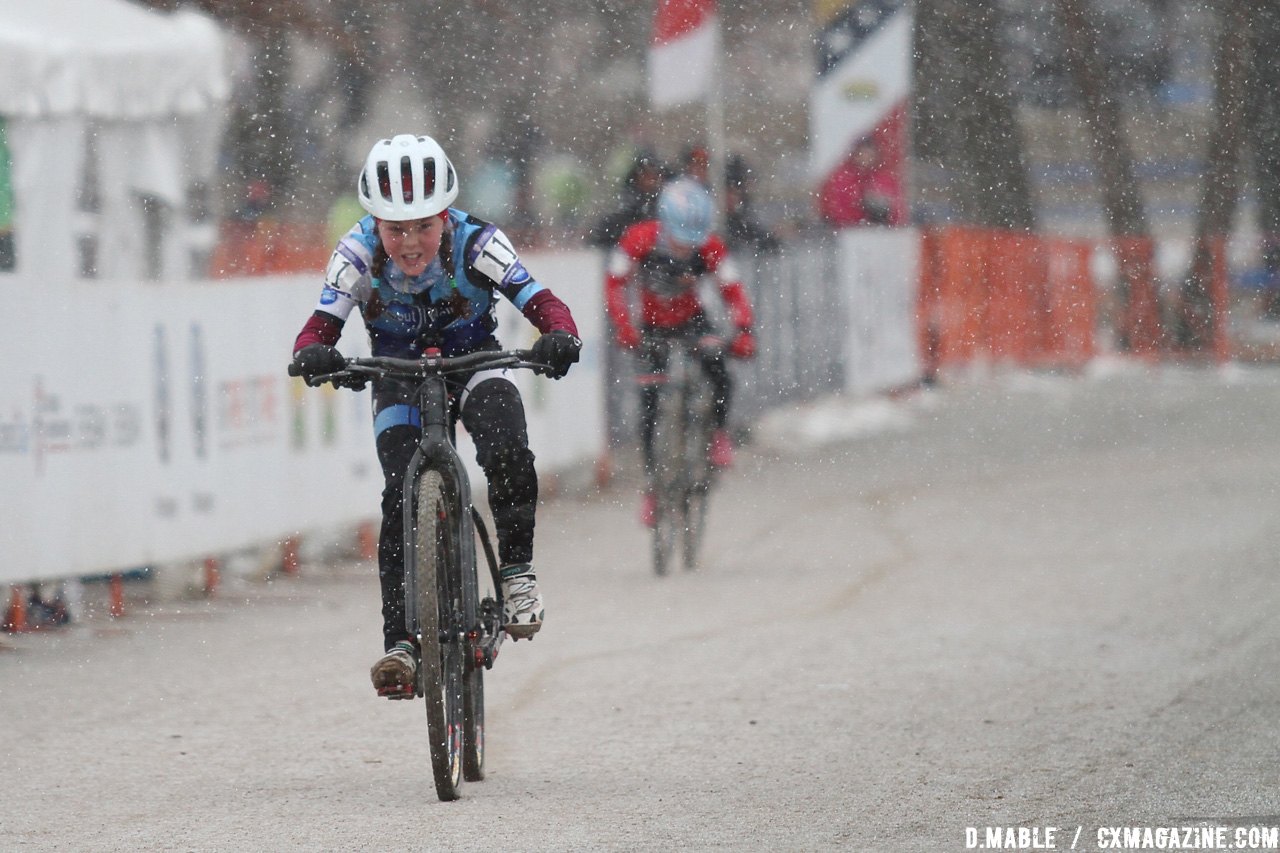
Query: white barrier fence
x,y
153,423
878,270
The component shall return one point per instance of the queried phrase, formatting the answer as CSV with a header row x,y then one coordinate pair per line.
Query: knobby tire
x,y
668,478
697,466
473,684
439,595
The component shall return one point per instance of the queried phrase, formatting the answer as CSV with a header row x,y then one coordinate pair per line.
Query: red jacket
x,y
668,285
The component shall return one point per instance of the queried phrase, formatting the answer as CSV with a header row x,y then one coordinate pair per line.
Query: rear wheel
x,y
668,477
473,685
439,598
473,724
695,523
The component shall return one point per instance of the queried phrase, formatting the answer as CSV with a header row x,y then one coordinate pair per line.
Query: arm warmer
x,y
320,328
545,310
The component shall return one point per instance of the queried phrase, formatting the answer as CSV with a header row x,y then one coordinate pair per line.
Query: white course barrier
x,y
879,270
150,423
566,416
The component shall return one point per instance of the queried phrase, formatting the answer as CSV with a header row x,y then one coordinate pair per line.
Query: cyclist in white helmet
x,y
666,257
425,274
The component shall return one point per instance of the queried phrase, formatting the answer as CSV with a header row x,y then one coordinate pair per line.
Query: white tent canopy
x,y
110,92
106,58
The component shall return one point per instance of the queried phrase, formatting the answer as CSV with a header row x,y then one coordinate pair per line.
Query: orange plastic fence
x,y
1026,299
1070,308
1005,296
15,615
1139,322
266,248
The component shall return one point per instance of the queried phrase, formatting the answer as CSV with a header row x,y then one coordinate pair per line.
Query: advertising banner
x,y
147,423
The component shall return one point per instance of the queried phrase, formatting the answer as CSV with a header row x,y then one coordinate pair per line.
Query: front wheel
x,y
669,478
695,523
442,639
699,473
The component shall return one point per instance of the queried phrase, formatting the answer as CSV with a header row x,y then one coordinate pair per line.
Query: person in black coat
x,y
640,189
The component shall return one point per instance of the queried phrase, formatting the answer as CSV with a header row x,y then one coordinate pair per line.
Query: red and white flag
x,y
682,56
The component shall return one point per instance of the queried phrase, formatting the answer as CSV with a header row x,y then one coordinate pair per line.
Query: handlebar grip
x,y
294,369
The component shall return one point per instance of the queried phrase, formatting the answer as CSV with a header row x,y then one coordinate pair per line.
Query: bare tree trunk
x,y
1264,139
1221,187
964,113
1138,314
1112,155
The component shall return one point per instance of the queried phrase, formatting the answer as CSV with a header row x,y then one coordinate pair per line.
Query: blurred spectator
x,y
345,208
640,190
742,230
863,191
255,204
493,192
695,162
562,193
1271,276
6,205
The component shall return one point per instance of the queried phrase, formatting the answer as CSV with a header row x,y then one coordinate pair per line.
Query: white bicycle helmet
x,y
407,177
686,212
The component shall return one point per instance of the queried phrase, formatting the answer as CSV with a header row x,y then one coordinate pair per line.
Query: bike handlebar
x,y
386,367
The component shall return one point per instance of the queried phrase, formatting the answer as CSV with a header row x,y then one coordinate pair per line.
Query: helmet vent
x,y
428,177
406,179
414,182
384,180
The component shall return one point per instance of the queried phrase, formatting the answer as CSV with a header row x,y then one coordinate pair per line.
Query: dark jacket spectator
x,y
743,232
640,189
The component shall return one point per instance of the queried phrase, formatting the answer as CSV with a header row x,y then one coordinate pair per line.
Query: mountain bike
x,y
682,474
458,632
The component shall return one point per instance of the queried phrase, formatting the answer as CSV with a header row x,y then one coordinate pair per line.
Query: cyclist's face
x,y
412,244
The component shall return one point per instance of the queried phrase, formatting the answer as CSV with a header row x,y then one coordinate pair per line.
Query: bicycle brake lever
x,y
536,366
320,379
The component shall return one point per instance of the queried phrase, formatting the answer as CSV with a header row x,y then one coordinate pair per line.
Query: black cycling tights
x,y
494,418
654,357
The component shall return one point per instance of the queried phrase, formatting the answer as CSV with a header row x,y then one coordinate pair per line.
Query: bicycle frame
x,y
682,475
452,653
436,451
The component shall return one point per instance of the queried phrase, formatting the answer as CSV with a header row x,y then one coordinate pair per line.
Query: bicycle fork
x,y
436,451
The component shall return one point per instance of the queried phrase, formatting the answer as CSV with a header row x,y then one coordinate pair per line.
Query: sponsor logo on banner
x,y
56,426
199,393
248,411
163,402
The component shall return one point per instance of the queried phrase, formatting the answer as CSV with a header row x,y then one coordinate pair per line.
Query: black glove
x,y
559,350
318,359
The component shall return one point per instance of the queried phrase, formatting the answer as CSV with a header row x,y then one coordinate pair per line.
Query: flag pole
x,y
718,153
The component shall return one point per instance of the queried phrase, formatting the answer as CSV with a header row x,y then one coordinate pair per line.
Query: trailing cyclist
x,y
666,258
424,274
